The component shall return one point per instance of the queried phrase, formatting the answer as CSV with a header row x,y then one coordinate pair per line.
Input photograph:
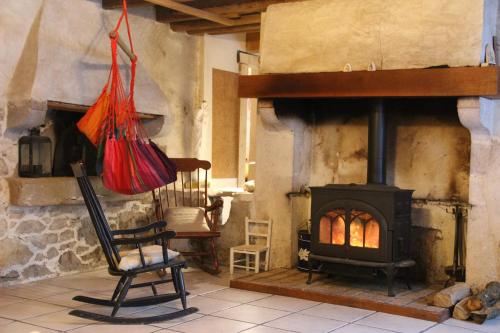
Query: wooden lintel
x,y
202,25
229,11
436,82
199,13
70,107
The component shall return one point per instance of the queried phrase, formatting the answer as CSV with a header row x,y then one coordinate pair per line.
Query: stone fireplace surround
x,y
394,35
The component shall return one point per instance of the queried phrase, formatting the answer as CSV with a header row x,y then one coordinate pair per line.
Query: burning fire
x,y
364,230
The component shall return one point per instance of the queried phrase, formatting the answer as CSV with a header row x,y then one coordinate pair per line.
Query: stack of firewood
x,y
469,304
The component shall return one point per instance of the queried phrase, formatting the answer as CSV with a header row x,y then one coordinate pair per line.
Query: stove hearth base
x,y
342,266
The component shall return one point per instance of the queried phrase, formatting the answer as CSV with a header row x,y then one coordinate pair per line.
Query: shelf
x,y
55,191
435,82
54,105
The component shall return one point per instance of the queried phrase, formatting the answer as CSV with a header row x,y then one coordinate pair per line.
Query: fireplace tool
x,y
456,272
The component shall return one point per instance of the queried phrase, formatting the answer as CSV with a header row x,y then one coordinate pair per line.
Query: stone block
x,y
324,35
14,253
35,271
30,227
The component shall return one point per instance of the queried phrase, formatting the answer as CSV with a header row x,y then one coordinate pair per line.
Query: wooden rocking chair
x,y
128,265
186,209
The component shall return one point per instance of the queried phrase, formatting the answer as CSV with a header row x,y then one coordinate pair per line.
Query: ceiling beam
x,y
111,4
202,25
250,28
199,13
228,11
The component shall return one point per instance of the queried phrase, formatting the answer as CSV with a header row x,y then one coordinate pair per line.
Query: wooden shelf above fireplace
x,y
435,82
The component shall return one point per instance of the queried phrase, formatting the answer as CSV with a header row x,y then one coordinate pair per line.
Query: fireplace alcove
x,y
287,137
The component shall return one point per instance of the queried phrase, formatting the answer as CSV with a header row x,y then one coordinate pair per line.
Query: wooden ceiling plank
x,y
231,30
111,4
255,6
202,25
437,82
193,11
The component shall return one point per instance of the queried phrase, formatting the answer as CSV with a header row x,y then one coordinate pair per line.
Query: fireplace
x,y
360,229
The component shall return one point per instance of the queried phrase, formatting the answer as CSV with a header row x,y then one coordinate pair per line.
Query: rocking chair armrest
x,y
218,203
155,225
164,235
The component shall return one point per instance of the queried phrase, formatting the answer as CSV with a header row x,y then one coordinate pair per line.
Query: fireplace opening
x,y
70,144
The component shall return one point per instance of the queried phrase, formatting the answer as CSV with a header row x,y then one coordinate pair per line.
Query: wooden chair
x,y
184,206
253,232
129,264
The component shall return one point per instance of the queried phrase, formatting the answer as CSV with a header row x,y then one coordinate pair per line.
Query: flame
x,y
364,229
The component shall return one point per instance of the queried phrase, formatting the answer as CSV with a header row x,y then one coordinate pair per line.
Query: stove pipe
x,y
377,144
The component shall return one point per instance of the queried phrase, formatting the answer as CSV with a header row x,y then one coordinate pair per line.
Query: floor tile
x,y
28,309
106,310
82,283
4,321
284,303
160,310
265,329
61,321
66,299
396,323
100,328
204,304
236,295
212,324
35,290
7,300
353,328
251,314
305,324
489,326
449,329
337,312
201,288
18,327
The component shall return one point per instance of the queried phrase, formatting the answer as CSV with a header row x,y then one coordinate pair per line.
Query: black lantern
x,y
35,155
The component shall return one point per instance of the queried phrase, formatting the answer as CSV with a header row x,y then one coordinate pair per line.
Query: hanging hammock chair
x,y
129,162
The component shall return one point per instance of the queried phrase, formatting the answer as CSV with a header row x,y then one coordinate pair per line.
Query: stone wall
x,y
59,50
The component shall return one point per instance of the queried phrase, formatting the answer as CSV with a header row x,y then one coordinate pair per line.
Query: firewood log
x,y
450,296
460,311
473,304
486,313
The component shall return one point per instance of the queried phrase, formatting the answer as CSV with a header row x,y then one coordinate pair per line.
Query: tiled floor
x,y
43,307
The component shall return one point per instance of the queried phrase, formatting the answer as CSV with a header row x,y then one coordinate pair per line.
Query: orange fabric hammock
x,y
128,161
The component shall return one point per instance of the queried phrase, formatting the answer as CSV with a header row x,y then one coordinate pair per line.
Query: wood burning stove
x,y
357,229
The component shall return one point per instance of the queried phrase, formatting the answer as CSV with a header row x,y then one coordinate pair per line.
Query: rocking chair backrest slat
x,y
97,216
188,170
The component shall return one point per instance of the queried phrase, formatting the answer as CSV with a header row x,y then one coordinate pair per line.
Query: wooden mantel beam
x,y
199,13
437,82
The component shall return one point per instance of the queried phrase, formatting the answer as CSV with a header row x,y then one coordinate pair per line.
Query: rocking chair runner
x,y
186,209
145,258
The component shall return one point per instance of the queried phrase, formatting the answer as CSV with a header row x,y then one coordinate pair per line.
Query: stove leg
x,y
407,278
309,277
390,271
